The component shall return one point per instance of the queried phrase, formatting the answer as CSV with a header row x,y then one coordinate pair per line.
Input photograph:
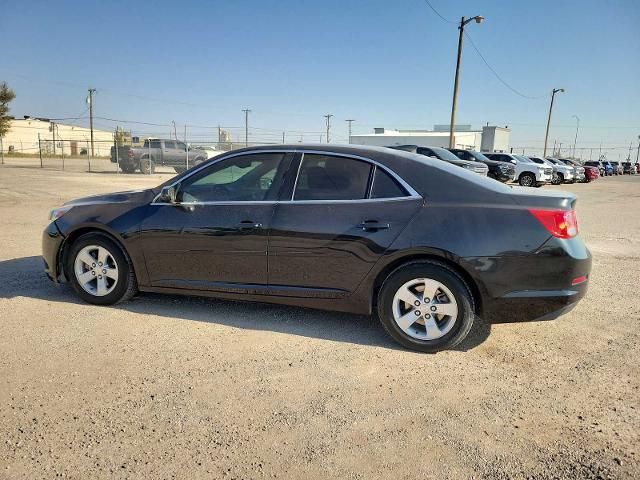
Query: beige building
x,y
55,138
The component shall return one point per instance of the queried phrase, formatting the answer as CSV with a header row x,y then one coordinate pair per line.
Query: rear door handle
x,y
373,225
249,225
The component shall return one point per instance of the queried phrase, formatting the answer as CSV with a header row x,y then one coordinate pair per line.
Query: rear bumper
x,y
537,286
51,241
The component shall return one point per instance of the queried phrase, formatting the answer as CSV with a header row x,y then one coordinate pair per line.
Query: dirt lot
x,y
172,387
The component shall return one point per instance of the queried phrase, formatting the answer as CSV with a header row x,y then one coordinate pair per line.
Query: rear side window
x,y
324,177
384,186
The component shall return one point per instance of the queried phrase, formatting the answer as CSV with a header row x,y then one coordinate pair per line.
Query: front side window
x,y
325,177
181,146
169,144
248,177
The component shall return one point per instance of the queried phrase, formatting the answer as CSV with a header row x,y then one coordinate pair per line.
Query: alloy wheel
x,y
96,270
425,309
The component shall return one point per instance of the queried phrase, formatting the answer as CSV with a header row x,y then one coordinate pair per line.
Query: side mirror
x,y
168,195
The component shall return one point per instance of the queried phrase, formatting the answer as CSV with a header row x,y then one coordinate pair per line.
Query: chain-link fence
x,y
116,156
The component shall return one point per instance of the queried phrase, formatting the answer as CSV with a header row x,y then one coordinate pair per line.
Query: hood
x,y
130,196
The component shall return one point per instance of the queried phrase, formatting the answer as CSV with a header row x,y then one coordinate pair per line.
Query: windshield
x,y
444,154
478,155
522,158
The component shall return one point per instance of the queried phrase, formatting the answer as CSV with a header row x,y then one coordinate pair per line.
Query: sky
x,y
382,63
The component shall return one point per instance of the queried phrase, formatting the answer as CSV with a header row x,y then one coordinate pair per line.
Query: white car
x,y
211,152
528,173
561,172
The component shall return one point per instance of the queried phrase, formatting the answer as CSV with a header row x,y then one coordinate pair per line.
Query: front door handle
x,y
249,225
373,225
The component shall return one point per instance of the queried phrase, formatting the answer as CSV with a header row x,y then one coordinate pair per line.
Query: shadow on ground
x,y
24,277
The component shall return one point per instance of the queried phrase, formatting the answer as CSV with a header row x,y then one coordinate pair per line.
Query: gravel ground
x,y
174,387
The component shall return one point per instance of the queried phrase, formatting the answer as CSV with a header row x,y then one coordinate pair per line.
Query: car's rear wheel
x,y
559,178
527,180
426,306
128,168
180,169
99,270
147,166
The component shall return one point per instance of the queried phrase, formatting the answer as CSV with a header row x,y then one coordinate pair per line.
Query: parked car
x,y
424,244
598,165
528,174
578,170
608,169
209,150
157,151
567,172
446,155
501,171
617,168
590,173
629,168
559,172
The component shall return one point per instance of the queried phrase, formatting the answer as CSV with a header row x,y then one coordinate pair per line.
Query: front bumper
x,y
544,177
51,241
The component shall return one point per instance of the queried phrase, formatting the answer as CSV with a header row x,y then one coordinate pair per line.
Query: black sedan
x,y
424,244
501,171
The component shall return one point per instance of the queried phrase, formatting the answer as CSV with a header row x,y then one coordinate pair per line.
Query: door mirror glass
x,y
167,195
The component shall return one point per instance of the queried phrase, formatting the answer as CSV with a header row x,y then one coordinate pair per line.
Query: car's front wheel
x,y
99,270
426,306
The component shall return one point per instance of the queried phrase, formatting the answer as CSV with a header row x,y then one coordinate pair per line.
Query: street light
x,y
546,135
463,22
575,140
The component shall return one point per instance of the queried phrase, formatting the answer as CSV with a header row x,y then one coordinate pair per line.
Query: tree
x,y
6,95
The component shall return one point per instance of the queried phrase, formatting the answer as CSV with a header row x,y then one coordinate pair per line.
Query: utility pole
x,y
175,133
546,135
246,126
575,140
90,100
328,117
463,22
554,149
53,137
638,154
350,121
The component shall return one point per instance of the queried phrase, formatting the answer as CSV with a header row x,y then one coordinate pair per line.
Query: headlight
x,y
56,213
469,167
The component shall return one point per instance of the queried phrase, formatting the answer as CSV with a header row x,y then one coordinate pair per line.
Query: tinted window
x,y
384,186
154,144
169,144
464,155
181,146
426,151
242,178
537,160
323,177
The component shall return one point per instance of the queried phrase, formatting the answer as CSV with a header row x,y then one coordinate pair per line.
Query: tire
x,y
559,178
453,330
180,169
198,161
527,180
118,262
147,165
128,168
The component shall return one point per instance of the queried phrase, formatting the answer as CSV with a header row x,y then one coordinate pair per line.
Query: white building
x,y
489,139
55,137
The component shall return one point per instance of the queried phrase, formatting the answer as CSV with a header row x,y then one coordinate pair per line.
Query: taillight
x,y
559,223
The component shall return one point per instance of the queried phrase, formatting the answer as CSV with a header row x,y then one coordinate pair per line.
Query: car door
x,y
340,216
215,236
168,152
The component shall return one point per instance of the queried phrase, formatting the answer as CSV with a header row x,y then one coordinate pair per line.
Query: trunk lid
x,y
543,199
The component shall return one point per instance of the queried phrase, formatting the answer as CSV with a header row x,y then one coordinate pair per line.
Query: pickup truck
x,y
157,151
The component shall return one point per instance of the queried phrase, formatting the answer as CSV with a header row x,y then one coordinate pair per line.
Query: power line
x,y
437,13
496,73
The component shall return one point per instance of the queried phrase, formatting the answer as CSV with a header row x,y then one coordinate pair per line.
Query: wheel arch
x,y
474,286
72,236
